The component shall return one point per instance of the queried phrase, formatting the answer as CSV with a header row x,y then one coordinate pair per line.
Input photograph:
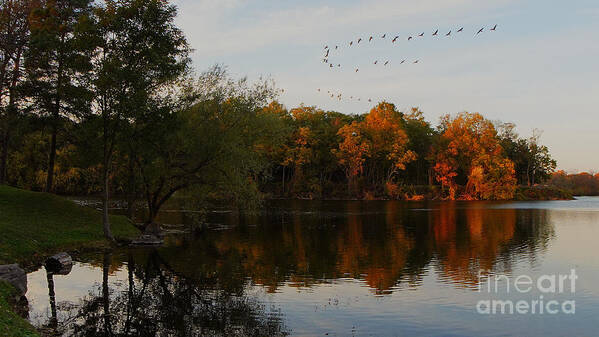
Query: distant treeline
x,y
386,153
307,152
579,184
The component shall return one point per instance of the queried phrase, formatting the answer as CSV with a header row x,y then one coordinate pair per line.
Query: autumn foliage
x,y
469,154
390,154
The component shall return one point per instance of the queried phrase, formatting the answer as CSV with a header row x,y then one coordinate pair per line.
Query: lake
x,y
343,268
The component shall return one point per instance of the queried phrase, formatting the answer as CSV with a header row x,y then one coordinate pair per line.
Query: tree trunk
x,y
151,227
5,141
50,177
105,218
283,180
106,177
55,122
4,155
131,193
430,176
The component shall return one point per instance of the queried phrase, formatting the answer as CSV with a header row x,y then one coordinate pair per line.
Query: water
x,y
337,268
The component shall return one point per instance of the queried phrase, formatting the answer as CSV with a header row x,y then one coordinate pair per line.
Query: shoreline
x,y
522,193
37,225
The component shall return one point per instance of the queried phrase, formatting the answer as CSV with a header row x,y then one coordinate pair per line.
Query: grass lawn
x,y
36,225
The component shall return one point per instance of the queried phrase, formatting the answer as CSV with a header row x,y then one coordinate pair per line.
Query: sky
x,y
538,69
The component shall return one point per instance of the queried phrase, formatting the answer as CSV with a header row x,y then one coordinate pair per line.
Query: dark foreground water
x,y
343,269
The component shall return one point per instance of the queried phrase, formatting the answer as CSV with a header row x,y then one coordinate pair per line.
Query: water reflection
x,y
204,284
385,244
153,300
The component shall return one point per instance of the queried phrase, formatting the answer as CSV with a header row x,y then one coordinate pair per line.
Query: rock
x,y
147,240
59,264
14,275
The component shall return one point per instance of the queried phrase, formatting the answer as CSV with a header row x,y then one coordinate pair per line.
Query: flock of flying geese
x,y
339,95
327,51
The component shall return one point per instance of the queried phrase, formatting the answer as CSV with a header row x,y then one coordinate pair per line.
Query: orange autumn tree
x,y
388,142
384,132
352,152
469,154
299,153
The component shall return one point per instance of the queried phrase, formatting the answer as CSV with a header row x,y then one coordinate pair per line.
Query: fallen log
x,y
59,264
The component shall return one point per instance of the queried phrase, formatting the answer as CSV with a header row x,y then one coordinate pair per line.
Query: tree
x,y
307,151
383,126
532,161
141,52
275,141
469,154
57,62
540,165
209,145
14,36
421,136
352,152
583,183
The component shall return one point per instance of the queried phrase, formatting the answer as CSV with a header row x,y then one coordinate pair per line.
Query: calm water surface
x,y
336,268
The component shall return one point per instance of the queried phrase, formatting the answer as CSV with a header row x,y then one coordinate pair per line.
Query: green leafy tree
x,y
422,137
141,52
14,37
206,145
532,161
540,164
57,62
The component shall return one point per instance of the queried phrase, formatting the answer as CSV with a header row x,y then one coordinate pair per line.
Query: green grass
x,y
12,324
35,225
